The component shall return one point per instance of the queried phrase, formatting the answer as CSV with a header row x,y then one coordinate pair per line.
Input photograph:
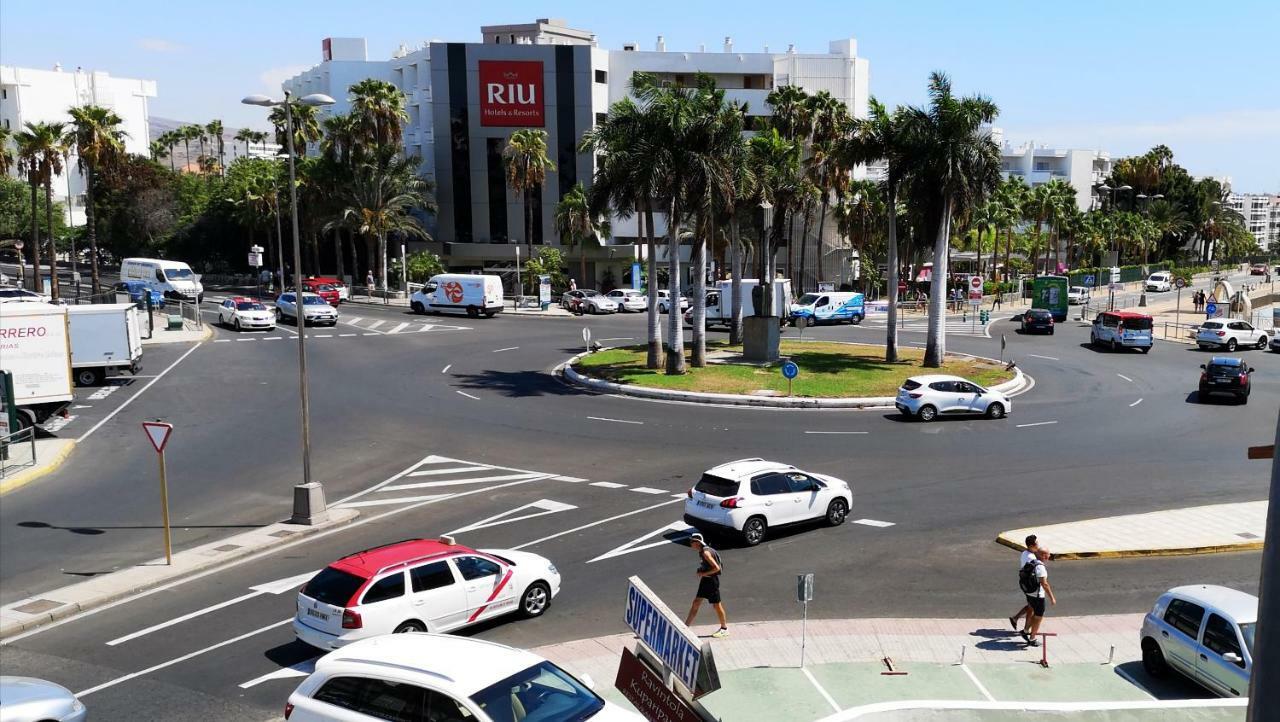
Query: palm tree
x,y
745,199
575,224
216,131
958,166
377,109
52,145
1062,205
170,141
1011,197
775,162
306,126
244,135
6,152
201,136
527,166
29,152
186,134
859,211
828,118
99,142
157,150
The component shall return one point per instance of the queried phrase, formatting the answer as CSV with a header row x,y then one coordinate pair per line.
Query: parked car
x,y
444,678
1122,329
664,302
1036,320
27,699
629,299
1204,632
751,496
1275,343
1160,281
344,291
314,309
1230,333
588,301
420,585
1225,376
1078,295
322,289
927,397
241,313
12,294
1258,269
138,292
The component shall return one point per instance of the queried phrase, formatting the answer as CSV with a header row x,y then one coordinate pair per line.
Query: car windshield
x,y
181,274
250,306
716,485
1136,324
314,301
543,692
325,287
333,586
1079,289
590,293
807,299
1040,314
1246,631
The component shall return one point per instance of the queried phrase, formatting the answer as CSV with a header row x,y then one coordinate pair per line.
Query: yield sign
x,y
158,432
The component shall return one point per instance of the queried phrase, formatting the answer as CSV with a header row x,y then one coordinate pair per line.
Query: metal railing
x,y
1171,331
17,451
190,313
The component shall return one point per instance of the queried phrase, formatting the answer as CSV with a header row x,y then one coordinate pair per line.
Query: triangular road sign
x,y
158,432
673,533
543,507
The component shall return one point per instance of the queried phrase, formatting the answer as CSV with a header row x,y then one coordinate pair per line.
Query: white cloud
x,y
1231,126
272,78
158,45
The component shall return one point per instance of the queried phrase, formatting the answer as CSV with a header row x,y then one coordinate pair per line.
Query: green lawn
x,y
828,370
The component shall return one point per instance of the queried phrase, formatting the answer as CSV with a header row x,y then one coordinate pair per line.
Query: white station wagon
x,y
1204,632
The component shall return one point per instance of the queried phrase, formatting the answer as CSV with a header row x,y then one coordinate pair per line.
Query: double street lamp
x,y
308,497
1142,300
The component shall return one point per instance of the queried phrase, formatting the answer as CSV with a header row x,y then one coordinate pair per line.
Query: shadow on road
x,y
95,530
516,384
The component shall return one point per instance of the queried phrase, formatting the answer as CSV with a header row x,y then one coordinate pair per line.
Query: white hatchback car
x,y
1204,632
629,299
750,496
1229,333
443,678
927,397
664,302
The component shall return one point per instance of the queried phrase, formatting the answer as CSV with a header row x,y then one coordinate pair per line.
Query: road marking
x,y
183,658
509,348
374,326
82,406
977,684
451,470
617,338
141,391
242,340
608,485
821,691
1051,358
1126,378
837,432
873,522
461,482
370,334
347,335
398,327
275,338
222,340
570,479
396,500
445,370
1038,423
615,517
616,421
301,669
544,506
673,533
647,490
353,319
324,335
464,393
1135,403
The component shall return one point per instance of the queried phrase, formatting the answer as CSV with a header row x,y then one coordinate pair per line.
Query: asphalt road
x,y
1113,434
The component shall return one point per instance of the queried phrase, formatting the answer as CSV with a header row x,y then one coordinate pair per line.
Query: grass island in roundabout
x,y
828,370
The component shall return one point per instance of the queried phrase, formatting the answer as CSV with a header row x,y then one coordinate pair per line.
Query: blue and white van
x,y
173,279
829,307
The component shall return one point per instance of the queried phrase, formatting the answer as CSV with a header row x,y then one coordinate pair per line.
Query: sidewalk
x,y
26,614
49,455
1192,530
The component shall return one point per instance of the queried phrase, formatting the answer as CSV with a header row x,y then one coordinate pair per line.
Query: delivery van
x,y
105,338
829,307
720,301
35,347
174,279
459,292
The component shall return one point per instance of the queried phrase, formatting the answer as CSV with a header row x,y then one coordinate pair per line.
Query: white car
x,y
1229,333
751,496
1160,281
21,295
589,301
241,313
315,309
927,397
1204,632
629,299
664,302
28,698
420,585
1077,295
443,678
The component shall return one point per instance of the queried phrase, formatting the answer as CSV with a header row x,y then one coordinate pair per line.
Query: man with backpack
x,y
1029,554
709,569
1033,578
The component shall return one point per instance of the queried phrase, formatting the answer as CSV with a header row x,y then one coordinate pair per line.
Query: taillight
x,y
288,709
730,503
1204,377
351,619
915,396
1221,333
689,493
1244,378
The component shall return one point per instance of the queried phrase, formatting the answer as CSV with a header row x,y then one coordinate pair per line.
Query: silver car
x,y
27,699
1205,633
315,310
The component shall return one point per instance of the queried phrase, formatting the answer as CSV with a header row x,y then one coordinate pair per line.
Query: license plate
x,y
705,504
1222,381
318,615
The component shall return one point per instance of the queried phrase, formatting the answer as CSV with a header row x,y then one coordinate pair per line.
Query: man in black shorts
x,y
708,584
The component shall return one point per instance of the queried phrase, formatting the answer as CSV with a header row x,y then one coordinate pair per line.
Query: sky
x,y
1118,76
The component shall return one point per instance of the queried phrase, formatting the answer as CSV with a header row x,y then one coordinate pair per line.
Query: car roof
x,y
1127,314
746,468
1226,361
370,561
1241,606
464,664
930,378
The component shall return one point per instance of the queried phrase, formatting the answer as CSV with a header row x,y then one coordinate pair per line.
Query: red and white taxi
x,y
242,312
420,585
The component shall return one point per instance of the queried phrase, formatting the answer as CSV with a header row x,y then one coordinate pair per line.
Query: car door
x,y
977,399
438,596
384,604
226,311
1223,677
959,397
1180,635
821,309
774,497
808,496
1248,334
488,586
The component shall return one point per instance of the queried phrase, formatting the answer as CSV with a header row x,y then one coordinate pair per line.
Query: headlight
x,y
552,568
77,705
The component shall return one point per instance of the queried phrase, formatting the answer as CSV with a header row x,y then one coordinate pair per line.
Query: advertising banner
x,y
511,94
645,691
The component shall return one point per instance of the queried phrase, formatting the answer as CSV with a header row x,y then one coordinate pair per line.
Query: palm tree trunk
x,y
172,167
382,260
936,344
91,225
337,253
186,153
653,359
582,263
735,283
35,239
53,246
804,246
699,332
891,332
528,222
995,249
822,224
675,330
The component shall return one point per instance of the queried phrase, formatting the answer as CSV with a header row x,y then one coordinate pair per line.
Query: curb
x,y
1253,545
566,370
23,478
12,628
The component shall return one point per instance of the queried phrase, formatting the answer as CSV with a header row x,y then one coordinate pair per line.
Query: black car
x,y
1225,376
1037,319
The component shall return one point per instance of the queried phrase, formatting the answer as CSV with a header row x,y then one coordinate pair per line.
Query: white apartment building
x,y
465,99
1261,214
1039,164
28,95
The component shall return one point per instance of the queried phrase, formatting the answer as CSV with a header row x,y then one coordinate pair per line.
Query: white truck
x,y
720,301
471,293
35,347
105,338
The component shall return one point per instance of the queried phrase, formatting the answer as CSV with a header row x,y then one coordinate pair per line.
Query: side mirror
x,y
1201,365
1250,369
587,681
1233,658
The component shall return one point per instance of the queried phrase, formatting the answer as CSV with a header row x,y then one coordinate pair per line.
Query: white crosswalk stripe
x,y
955,325
399,327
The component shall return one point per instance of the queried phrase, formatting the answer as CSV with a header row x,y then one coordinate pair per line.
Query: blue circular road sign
x,y
1210,308
790,370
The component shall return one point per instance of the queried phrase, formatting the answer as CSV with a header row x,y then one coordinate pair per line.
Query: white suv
x,y
1229,333
749,496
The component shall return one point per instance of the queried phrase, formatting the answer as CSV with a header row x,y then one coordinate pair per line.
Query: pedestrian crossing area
x,y
383,327
956,325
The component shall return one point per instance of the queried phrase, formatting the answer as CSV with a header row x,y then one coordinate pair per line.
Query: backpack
x,y
1027,579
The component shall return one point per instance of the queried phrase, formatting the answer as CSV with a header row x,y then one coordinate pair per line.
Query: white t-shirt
x,y
1042,573
1025,558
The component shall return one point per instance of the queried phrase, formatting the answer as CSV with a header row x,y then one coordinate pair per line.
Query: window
x,y
1185,617
1220,636
1138,324
910,385
385,588
431,576
716,486
770,484
390,700
946,386
473,568
602,76
543,691
333,586
1110,321
798,482
601,118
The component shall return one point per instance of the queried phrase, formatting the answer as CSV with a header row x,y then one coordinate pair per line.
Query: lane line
x,y
374,326
324,335
1135,403
821,691
837,432
647,490
509,348
445,370
598,523
451,470
140,392
570,479
461,482
347,335
183,618
370,334
398,327
242,340
1051,358
464,393
976,683
1126,378
616,421
183,658
1038,423
608,485
272,338
616,338
222,340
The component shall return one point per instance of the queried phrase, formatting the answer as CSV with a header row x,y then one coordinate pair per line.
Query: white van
x,y
174,279
720,301
1160,281
475,294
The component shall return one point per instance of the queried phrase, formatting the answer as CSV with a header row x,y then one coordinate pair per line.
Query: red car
x,y
1258,269
322,288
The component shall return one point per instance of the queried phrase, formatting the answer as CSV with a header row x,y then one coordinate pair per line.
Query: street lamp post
x,y
1142,300
308,497
1111,302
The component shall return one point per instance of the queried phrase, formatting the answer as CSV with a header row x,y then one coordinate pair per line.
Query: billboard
x,y
511,94
1051,294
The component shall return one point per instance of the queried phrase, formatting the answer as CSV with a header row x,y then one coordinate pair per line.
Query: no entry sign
x,y
975,287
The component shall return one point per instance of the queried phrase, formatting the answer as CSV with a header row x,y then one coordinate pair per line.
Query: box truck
x,y
105,338
35,347
720,301
473,294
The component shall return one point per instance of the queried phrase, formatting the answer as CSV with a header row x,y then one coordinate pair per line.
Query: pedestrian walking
x,y
996,302
1027,556
368,281
573,284
709,569
1033,578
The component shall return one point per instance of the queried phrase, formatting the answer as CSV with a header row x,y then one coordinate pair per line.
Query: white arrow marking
x,y
280,586
682,531
459,482
546,506
301,669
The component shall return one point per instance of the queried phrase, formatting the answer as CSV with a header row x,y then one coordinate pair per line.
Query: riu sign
x,y
511,93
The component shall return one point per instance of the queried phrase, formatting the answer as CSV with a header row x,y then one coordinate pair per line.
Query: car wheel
x,y
473,312
412,625
1050,332
1231,344
535,600
995,411
416,307
927,413
89,377
1153,659
1114,346
1244,399
837,510
1146,349
1262,343
753,531
237,325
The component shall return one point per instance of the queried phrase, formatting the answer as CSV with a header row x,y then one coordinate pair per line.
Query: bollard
x,y
1111,658
962,654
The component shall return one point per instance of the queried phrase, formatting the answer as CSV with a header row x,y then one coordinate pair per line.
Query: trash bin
x,y
545,305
